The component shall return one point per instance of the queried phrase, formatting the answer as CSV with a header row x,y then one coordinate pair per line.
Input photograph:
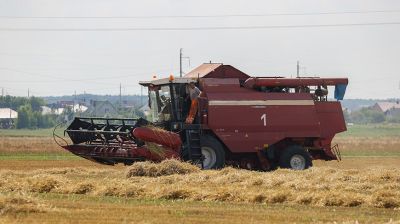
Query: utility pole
x,y
28,92
141,95
120,96
2,91
298,69
180,61
73,106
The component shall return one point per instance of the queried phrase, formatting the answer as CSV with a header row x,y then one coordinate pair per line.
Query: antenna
x,y
300,67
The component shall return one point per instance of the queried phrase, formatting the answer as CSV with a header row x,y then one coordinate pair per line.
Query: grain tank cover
x,y
216,70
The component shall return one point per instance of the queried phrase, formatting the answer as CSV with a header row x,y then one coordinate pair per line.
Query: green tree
x,y
346,116
367,115
395,118
24,116
36,103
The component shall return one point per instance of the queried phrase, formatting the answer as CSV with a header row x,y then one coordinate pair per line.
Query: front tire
x,y
295,157
213,153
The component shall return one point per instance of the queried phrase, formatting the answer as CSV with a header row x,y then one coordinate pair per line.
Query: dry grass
x,y
348,145
29,144
165,168
172,180
12,205
366,145
356,190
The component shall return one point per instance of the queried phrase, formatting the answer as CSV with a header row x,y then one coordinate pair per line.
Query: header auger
x,y
250,122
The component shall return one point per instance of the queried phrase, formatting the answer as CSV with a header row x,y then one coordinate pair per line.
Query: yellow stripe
x,y
261,102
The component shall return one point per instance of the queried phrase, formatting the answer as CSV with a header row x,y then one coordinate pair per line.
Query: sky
x,y
62,47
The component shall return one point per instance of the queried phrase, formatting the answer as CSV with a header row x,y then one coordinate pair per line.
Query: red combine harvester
x,y
251,122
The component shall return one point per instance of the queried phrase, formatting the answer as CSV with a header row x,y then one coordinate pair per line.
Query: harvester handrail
x,y
98,131
110,119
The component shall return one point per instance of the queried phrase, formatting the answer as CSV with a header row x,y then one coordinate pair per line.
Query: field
x,y
40,183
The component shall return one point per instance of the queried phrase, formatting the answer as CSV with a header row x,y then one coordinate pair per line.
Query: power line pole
x,y
28,92
180,61
141,95
73,106
298,69
120,95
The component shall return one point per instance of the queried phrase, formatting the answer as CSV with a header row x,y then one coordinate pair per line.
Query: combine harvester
x,y
256,123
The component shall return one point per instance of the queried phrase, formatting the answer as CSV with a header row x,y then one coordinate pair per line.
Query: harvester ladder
x,y
194,146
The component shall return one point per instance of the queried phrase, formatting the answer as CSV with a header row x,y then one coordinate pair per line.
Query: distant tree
x,y
367,115
46,121
394,118
12,102
24,116
36,103
346,116
67,114
30,112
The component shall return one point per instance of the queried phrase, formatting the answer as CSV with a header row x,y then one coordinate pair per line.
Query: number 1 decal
x,y
264,118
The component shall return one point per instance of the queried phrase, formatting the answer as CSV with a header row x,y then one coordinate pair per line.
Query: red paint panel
x,y
242,128
331,117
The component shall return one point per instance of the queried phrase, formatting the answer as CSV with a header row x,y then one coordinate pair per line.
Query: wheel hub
x,y
298,162
210,158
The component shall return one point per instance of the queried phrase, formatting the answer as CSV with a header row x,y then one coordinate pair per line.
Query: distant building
x,y
388,108
66,103
79,108
101,109
129,104
7,117
46,110
59,108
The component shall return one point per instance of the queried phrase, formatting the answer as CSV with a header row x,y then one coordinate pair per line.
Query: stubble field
x,y
40,183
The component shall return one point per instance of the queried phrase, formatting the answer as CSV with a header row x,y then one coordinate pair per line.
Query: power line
x,y
60,79
201,16
203,28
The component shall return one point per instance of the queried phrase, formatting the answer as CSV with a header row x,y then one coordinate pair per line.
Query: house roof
x,y
386,106
8,113
99,104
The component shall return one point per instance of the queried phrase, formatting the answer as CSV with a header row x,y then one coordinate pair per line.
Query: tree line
x,y
368,115
29,112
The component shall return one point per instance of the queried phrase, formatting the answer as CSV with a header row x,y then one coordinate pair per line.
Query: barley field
x,y
41,183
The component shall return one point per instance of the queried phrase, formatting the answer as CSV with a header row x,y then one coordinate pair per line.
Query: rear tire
x,y
213,153
295,157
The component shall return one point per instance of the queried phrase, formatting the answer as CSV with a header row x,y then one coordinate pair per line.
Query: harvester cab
x,y
170,107
249,122
168,101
